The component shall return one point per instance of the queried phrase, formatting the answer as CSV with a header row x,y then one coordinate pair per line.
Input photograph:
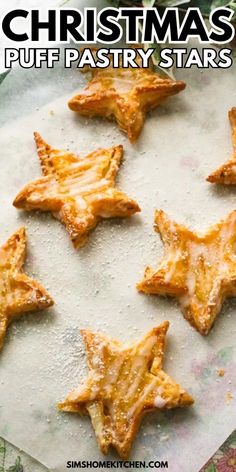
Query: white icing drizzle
x,y
148,346
142,398
173,258
122,85
122,378
78,179
214,259
159,402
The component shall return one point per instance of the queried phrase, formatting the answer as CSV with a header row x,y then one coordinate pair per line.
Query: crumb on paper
x,y
229,396
221,372
165,437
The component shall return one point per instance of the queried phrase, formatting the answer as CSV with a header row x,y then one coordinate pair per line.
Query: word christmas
x,y
89,26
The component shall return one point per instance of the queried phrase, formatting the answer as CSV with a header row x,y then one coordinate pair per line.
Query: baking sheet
x,y
43,358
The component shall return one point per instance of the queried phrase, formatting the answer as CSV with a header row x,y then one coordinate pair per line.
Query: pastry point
x,y
19,293
226,174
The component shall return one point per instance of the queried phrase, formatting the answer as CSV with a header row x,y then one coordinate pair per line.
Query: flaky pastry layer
x,y
124,382
124,94
78,191
199,270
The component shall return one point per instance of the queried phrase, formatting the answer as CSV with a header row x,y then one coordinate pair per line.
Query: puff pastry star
x,y
124,381
125,94
79,191
18,292
199,270
226,174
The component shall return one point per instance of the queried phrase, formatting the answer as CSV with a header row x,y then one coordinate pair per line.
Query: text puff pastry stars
x,y
199,270
79,191
19,293
124,381
226,174
125,94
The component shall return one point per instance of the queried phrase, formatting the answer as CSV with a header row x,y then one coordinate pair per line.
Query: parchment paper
x,y
43,358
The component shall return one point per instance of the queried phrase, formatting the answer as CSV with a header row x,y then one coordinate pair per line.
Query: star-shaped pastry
x,y
199,270
79,191
125,94
124,381
226,174
18,292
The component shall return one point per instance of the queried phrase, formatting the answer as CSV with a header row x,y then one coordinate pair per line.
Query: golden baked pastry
x,y
18,292
79,191
199,270
226,174
125,94
124,381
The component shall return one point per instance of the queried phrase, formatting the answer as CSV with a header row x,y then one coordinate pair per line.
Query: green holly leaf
x,y
219,3
171,3
211,468
205,6
3,75
148,3
15,468
230,442
18,467
225,3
